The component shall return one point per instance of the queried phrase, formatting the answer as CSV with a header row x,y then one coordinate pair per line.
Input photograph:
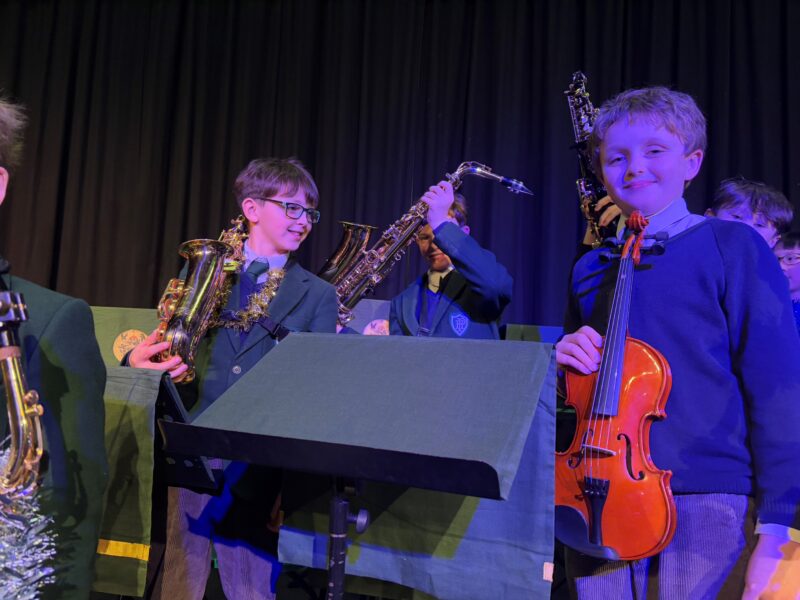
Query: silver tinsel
x,y
27,546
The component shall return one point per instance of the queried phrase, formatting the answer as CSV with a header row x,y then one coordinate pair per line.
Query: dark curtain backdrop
x,y
142,112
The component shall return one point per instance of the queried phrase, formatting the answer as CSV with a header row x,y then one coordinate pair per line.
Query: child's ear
x,y
249,210
693,161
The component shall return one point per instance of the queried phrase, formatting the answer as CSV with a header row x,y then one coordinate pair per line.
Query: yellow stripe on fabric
x,y
123,549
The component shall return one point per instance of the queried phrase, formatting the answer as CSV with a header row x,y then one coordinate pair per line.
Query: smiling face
x,y
645,166
437,260
742,214
272,232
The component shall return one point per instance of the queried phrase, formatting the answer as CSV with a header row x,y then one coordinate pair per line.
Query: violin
x,y
612,502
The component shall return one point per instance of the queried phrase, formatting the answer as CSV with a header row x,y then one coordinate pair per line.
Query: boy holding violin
x,y
713,302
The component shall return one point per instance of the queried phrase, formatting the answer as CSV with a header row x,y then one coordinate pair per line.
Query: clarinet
x,y
590,189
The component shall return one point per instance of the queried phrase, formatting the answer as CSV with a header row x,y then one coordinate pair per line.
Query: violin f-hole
x,y
628,459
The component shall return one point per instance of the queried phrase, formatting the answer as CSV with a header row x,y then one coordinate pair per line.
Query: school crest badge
x,y
459,323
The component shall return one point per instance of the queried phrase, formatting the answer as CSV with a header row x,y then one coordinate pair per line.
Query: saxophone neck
x,y
480,170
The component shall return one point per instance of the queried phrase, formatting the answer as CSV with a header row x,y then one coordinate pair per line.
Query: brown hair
x,y
12,124
458,209
789,240
758,197
268,177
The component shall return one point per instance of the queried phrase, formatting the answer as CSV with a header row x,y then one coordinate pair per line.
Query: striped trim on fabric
x,y
123,549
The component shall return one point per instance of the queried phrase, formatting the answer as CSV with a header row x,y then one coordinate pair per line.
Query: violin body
x,y
611,500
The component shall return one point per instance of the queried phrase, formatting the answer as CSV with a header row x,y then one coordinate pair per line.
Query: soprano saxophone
x,y
590,189
189,306
367,268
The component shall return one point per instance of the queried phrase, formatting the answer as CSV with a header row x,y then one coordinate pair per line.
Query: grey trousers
x,y
247,573
707,558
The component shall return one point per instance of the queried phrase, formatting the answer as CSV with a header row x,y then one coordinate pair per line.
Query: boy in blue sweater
x,y
716,305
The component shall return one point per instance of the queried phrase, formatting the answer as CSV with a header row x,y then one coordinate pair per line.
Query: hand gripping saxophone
x,y
590,189
27,544
365,269
189,306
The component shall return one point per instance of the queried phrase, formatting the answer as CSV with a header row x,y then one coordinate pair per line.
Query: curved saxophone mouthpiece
x,y
475,168
515,186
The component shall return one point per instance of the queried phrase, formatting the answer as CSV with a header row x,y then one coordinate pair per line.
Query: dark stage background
x,y
141,114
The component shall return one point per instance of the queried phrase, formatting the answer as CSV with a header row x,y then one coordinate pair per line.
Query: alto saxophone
x,y
367,268
20,475
190,305
590,189
27,542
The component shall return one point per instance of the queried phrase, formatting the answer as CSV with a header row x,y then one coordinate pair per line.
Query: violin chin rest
x,y
573,531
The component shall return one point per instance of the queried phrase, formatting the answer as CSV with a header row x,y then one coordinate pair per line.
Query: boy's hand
x,y
439,199
773,572
579,350
141,357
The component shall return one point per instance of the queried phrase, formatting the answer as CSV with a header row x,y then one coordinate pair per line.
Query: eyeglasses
x,y
295,211
789,259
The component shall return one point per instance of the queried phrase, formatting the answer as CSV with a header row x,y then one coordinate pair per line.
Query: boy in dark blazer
x,y
63,364
278,198
465,290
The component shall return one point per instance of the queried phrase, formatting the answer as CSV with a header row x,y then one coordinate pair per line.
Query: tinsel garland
x,y
27,546
257,306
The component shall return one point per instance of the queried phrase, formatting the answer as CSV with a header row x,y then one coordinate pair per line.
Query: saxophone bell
x,y
355,238
189,306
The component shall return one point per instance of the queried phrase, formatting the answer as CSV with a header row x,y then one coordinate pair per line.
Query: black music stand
x,y
374,408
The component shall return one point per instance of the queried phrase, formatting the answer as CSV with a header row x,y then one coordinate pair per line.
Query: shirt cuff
x,y
780,531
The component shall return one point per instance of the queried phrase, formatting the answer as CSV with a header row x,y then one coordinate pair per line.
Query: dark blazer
x,y
304,302
473,298
63,364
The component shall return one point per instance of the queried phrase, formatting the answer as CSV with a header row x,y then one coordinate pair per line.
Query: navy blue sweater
x,y
717,306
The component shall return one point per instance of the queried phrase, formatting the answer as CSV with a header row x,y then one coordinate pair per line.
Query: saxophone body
x,y
189,306
367,268
27,539
590,189
20,474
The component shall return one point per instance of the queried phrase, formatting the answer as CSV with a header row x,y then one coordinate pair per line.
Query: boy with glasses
x,y
787,251
278,198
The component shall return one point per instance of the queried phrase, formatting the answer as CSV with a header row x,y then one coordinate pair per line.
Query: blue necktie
x,y
249,285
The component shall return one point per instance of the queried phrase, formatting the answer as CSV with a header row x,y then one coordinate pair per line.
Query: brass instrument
x,y
355,238
367,268
189,306
21,471
590,189
27,541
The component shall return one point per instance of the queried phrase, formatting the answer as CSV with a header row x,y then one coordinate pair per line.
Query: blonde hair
x,y
675,111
